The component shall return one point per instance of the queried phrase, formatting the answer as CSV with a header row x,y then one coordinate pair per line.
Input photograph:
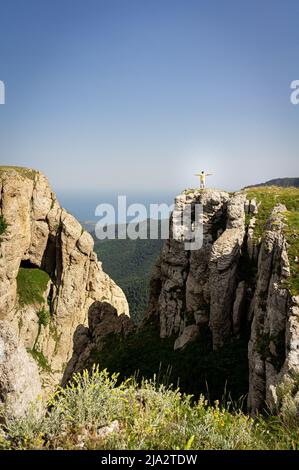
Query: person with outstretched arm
x,y
202,179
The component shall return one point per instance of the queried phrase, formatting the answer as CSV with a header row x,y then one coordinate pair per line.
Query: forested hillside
x,y
129,263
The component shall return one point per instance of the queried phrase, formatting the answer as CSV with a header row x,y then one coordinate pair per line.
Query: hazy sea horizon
x,y
82,204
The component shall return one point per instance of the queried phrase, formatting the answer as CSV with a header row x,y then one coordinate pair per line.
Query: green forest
x,y
129,263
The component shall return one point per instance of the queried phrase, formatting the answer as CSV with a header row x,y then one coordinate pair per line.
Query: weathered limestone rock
x,y
233,281
253,208
42,234
224,260
20,384
106,431
180,281
103,321
273,347
200,284
189,335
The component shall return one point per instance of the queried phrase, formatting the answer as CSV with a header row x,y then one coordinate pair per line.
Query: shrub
x,y
148,416
44,317
91,399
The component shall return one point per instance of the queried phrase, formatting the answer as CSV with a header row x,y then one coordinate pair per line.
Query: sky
x,y
136,96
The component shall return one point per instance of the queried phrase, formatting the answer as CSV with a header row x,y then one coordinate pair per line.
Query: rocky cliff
x,y
49,274
243,281
198,287
228,310
233,303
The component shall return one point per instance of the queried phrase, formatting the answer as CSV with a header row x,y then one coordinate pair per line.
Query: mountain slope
x,y
283,182
130,263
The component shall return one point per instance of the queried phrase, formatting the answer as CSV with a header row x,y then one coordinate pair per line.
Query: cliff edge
x,y
49,274
242,282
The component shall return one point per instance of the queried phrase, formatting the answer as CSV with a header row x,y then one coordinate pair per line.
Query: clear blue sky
x,y
139,95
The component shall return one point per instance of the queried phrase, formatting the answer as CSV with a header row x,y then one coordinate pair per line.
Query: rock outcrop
x,y
188,335
234,283
223,266
20,385
42,235
180,282
274,342
200,285
103,322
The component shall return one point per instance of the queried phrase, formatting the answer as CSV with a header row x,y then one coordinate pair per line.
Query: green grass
x,y
31,286
189,191
3,225
26,172
292,237
44,317
41,360
146,416
267,198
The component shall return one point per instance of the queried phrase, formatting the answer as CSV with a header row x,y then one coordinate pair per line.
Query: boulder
x,y
103,323
190,333
20,385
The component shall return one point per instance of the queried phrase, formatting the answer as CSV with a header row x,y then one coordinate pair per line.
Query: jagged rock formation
x,y
235,282
180,281
274,342
17,393
223,265
198,286
41,234
189,335
103,321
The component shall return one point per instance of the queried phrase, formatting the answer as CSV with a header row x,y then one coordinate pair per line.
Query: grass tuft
x,y
267,198
25,172
40,358
44,317
31,285
292,236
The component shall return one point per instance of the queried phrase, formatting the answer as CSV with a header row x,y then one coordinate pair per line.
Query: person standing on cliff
x,y
202,179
